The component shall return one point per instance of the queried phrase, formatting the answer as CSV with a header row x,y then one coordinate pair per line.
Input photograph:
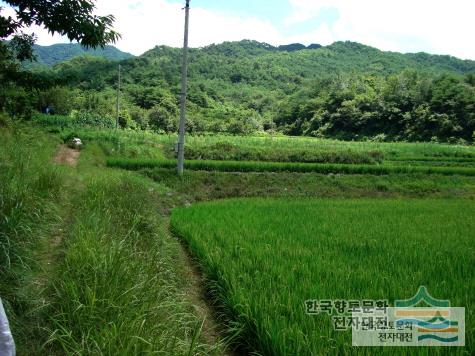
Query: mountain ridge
x,y
61,52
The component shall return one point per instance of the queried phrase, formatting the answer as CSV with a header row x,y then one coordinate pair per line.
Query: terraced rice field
x,y
265,257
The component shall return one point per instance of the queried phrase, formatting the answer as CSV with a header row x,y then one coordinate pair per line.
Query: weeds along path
x,y
116,281
49,249
197,294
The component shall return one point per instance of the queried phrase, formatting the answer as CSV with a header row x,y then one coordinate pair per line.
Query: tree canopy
x,y
74,19
345,90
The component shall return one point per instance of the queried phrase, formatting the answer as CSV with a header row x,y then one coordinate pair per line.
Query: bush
x,y
76,119
5,120
160,119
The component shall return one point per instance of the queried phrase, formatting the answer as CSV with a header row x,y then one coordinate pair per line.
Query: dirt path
x,y
67,156
49,250
196,292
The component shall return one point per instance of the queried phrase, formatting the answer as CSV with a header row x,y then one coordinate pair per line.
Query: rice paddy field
x,y
136,150
315,219
274,148
263,258
256,166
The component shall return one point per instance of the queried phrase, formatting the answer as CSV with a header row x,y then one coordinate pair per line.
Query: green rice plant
x,y
435,159
264,258
249,166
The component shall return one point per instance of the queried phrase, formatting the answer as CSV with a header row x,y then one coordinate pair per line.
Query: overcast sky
x,y
434,26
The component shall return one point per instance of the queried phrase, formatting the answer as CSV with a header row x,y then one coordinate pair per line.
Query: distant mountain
x,y
345,90
57,53
297,47
261,64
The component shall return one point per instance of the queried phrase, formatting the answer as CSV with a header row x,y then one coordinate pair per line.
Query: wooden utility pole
x,y
184,73
118,102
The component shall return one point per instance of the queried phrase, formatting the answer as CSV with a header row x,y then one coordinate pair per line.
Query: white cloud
x,y
144,24
438,26
43,36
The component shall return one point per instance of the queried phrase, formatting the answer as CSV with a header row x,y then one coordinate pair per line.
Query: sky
x,y
433,26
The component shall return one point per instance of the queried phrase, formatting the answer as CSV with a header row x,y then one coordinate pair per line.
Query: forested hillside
x,y
345,90
51,55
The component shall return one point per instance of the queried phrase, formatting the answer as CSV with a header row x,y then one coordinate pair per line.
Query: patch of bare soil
x,y
66,156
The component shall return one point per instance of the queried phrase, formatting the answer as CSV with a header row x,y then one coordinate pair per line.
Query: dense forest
x,y
346,90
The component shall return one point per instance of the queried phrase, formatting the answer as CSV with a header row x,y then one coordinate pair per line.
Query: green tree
x,y
71,18
164,115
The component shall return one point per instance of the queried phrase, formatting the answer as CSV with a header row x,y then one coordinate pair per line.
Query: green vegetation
x,y
261,148
263,258
249,166
204,185
254,87
266,145
120,267
89,247
29,186
57,53
88,265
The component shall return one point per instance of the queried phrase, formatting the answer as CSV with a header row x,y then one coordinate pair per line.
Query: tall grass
x,y
29,185
78,120
245,166
124,143
264,258
119,290
87,264
204,186
266,145
226,151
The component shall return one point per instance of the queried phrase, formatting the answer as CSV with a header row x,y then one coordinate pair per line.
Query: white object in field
x,y
77,142
7,345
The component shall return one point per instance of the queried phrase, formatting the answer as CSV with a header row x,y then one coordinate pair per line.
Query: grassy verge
x,y
30,186
264,258
119,289
266,145
226,151
203,186
243,166
87,263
